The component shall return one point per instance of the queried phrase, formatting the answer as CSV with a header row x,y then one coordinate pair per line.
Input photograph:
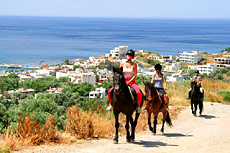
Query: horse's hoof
x,y
151,129
132,139
115,141
128,140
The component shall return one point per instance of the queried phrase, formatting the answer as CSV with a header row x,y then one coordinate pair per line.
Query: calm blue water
x,y
27,40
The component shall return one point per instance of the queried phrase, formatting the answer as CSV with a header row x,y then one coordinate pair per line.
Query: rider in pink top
x,y
130,74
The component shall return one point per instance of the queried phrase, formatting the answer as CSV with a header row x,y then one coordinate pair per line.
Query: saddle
x,y
132,93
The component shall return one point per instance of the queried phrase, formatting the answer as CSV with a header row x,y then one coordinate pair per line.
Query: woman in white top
x,y
158,80
130,74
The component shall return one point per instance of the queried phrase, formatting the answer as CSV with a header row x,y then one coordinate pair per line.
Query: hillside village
x,y
96,70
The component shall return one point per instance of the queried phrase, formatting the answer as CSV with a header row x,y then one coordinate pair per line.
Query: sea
x,y
35,40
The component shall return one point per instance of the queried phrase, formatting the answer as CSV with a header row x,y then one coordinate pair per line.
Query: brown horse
x,y
155,105
123,102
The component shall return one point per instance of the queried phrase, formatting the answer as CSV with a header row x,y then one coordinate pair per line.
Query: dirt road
x,y
209,133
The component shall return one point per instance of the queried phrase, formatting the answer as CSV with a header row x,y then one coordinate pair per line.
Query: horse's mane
x,y
150,85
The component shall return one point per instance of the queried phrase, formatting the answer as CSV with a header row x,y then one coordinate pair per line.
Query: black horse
x,y
196,98
122,102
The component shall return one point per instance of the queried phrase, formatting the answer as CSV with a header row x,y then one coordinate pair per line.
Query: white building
x,y
4,73
119,52
44,72
56,91
193,57
167,58
222,61
104,75
204,68
23,77
98,92
163,58
76,77
174,67
21,90
175,77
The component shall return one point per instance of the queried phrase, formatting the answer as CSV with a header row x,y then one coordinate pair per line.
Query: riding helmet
x,y
131,51
158,67
197,71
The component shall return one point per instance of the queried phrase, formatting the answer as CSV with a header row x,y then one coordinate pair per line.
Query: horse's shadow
x,y
175,135
207,116
149,144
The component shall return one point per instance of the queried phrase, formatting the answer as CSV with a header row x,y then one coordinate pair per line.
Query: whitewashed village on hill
x,y
88,71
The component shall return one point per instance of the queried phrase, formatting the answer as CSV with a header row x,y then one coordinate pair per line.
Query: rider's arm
x,y
135,73
121,64
199,81
165,84
153,78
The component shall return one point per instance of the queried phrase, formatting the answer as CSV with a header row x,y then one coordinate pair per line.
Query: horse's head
x,y
118,79
150,91
194,86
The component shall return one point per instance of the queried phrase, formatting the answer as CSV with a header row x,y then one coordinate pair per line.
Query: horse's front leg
x,y
192,106
115,141
128,139
133,125
195,105
155,124
149,121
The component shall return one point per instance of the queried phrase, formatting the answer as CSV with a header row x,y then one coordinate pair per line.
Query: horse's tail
x,y
168,119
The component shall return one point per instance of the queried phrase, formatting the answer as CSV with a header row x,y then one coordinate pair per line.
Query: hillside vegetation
x,y
71,116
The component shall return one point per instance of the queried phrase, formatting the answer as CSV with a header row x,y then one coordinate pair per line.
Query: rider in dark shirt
x,y
197,79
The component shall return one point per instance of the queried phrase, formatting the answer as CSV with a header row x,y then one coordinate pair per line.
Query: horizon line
x,y
105,17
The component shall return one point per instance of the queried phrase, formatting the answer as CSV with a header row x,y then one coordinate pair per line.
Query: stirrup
x,y
138,109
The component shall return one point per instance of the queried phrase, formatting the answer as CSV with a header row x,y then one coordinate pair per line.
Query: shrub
x,y
29,129
225,95
79,123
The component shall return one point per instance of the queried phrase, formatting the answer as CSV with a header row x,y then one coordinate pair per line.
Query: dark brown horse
x,y
155,106
122,102
196,98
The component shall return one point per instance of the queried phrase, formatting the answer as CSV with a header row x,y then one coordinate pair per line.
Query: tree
x,y
41,107
67,62
141,78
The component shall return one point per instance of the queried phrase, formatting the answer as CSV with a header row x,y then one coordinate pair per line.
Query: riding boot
x,y
166,101
189,95
202,96
109,108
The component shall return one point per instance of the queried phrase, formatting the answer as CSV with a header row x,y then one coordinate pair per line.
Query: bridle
x,y
117,82
148,95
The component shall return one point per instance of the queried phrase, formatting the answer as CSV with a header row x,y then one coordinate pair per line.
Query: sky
x,y
214,9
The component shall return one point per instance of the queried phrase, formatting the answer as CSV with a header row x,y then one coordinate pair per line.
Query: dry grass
x,y
83,125
28,132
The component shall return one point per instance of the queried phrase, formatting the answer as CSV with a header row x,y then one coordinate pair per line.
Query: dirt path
x,y
209,133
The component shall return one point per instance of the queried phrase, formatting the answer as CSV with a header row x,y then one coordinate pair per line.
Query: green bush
x,y
41,107
225,95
